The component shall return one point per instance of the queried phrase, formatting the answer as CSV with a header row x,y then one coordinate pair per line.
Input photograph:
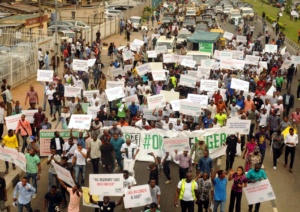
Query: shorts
x,y
2,205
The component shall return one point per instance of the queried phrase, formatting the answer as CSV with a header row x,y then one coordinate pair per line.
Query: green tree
x,y
288,6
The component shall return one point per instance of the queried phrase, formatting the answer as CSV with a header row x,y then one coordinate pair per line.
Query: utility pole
x,y
40,17
56,37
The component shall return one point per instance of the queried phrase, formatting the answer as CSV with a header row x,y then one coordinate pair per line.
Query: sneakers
x,y
168,182
274,167
53,120
34,196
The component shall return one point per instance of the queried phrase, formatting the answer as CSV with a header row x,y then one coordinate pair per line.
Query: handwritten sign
x,y
80,121
188,81
80,65
159,75
189,108
29,115
239,84
143,69
180,144
44,75
137,196
209,85
156,101
12,121
106,184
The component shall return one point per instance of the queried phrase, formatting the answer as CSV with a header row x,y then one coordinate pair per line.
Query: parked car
x,y
113,13
234,16
63,27
136,22
79,24
218,10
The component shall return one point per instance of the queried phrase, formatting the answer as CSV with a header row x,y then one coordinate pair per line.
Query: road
x,y
285,184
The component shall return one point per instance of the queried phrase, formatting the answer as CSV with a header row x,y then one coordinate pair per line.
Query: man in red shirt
x,y
32,95
261,83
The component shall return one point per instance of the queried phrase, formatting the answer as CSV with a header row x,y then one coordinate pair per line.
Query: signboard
x,y
188,63
80,65
199,99
29,115
170,95
114,84
180,144
189,108
175,105
161,49
71,91
168,58
241,39
127,55
203,72
44,75
137,196
252,60
91,62
130,99
152,54
89,94
188,81
106,184
63,174
295,59
209,85
80,121
12,121
271,48
236,125
117,71
228,35
114,93
159,75
207,63
156,101
13,156
143,69
206,47
239,84
93,111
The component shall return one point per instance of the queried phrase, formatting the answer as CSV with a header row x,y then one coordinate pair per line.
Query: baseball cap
x,y
31,138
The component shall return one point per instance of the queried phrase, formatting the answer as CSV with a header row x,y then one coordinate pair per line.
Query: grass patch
x,y
290,27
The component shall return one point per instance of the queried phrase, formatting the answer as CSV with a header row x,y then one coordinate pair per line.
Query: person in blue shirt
x,y
220,184
206,121
117,142
229,92
205,164
254,175
80,140
25,191
133,109
240,101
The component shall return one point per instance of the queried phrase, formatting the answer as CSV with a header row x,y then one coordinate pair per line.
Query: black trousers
x,y
187,205
251,131
287,110
237,198
202,204
166,169
229,160
182,172
95,162
276,155
289,150
257,205
1,130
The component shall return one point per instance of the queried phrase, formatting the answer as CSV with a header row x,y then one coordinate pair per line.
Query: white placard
x,y
156,101
93,111
236,125
137,196
138,42
63,174
106,184
170,95
117,71
286,64
168,58
271,48
13,156
130,99
175,105
159,75
89,94
189,108
29,115
263,64
91,62
203,72
155,66
182,57
114,84
180,144
80,65
143,69
192,73
260,191
239,84
222,55
161,49
228,35
79,121
241,39
271,91
238,55
283,50
209,85
252,60
188,81
127,68
152,54
127,55
71,91
207,63
114,93
295,59
198,99
188,63
12,121
232,64
44,75
147,114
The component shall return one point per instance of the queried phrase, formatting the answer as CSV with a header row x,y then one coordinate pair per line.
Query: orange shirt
x,y
220,106
248,105
123,124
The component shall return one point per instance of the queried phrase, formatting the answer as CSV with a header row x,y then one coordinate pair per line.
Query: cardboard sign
x,y
90,94
80,122
239,84
156,101
114,84
114,93
182,57
236,125
80,65
209,85
228,35
168,58
241,39
199,99
189,108
175,105
180,144
117,71
63,174
170,95
106,184
71,91
188,81
29,115
130,99
161,49
137,196
295,59
147,114
93,111
252,60
207,63
222,55
271,48
203,72
152,54
188,63
13,156
143,69
127,55
159,75
12,121
91,62
44,75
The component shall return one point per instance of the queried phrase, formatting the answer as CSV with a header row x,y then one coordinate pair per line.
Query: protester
x,y
11,141
205,189
290,140
25,193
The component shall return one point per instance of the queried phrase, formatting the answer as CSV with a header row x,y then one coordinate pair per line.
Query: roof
x,y
204,37
19,6
135,17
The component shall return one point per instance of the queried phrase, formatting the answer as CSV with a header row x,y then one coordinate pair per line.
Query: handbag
x,y
23,127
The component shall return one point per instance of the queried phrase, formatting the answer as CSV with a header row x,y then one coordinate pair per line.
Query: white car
x,y
113,13
136,22
78,24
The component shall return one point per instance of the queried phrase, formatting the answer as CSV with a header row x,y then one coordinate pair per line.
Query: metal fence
x,y
18,54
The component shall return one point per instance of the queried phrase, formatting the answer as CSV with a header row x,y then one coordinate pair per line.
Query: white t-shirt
x,y
57,158
49,93
291,139
95,148
93,101
130,150
234,110
178,128
132,91
70,153
187,195
130,181
80,160
268,107
263,119
141,89
72,106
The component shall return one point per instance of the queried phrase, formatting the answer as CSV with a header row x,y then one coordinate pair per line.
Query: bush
x,y
281,26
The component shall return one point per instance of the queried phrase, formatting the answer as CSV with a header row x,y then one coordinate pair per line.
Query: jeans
x,y
289,82
257,205
33,176
27,206
24,143
166,169
187,205
262,152
229,160
119,161
95,163
50,178
222,205
287,110
77,169
276,155
289,150
237,198
182,172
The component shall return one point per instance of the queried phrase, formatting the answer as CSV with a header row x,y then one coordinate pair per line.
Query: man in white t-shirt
x,y
79,163
69,149
53,158
290,140
94,152
178,126
129,151
128,181
94,100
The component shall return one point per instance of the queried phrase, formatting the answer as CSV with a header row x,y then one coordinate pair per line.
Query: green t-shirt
x,y
279,81
121,110
32,163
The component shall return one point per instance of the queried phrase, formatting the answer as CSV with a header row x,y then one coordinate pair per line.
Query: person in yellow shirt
x,y
10,141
